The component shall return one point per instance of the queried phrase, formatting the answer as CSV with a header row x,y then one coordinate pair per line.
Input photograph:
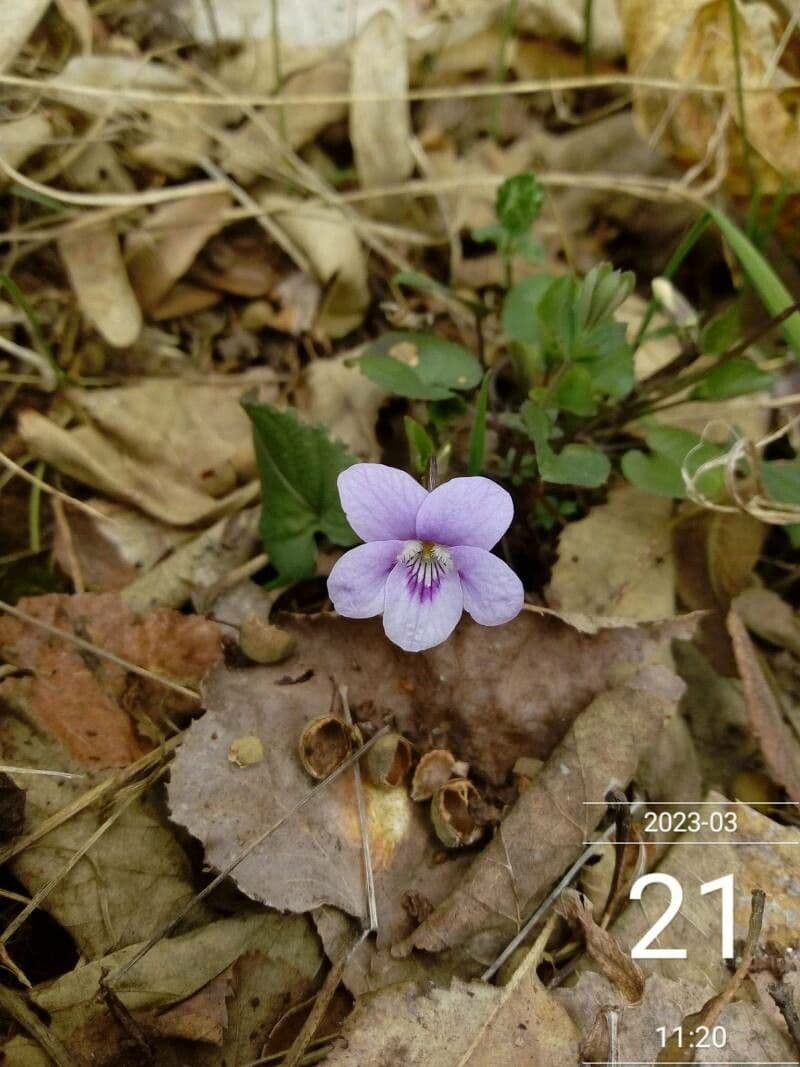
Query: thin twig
x,y
8,769
88,646
243,854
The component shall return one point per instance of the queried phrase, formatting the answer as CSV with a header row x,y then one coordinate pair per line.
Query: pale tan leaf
x,y
17,22
618,560
97,273
380,130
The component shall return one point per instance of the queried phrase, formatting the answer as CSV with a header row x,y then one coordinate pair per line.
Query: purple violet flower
x,y
426,557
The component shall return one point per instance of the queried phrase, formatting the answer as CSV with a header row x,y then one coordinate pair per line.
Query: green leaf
x,y
491,233
660,470
574,465
520,308
774,294
558,327
613,373
781,479
477,438
298,466
420,366
574,392
735,377
519,203
721,332
420,446
600,294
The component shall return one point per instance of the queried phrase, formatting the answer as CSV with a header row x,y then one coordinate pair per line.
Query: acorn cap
x,y
262,642
433,770
325,743
454,823
389,761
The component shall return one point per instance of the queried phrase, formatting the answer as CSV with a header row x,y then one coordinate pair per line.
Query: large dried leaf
x,y
769,860
618,560
488,694
346,403
181,452
467,1025
546,828
770,618
282,949
98,276
315,858
90,705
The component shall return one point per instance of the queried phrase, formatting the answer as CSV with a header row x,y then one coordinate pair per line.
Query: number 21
x,y
642,951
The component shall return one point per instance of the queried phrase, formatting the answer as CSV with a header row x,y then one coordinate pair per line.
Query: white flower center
x,y
425,563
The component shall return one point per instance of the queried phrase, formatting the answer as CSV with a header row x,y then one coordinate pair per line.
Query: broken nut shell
x,y
433,770
453,821
389,761
325,743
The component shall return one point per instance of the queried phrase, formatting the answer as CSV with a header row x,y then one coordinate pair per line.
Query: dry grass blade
x,y
524,87
87,509
87,646
369,875
47,375
35,770
250,847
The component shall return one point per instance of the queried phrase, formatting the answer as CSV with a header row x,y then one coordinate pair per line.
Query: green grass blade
x,y
477,438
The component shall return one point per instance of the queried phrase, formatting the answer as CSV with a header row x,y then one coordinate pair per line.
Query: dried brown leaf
x,y
603,947
779,743
551,820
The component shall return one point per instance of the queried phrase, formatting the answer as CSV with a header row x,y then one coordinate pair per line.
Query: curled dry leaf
x,y
98,276
770,618
329,240
618,560
178,451
547,827
777,737
314,858
19,22
160,252
21,137
389,761
380,130
770,859
603,947
89,705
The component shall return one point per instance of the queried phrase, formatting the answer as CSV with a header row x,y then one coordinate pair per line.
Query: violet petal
x,y
493,594
465,511
357,581
380,502
415,620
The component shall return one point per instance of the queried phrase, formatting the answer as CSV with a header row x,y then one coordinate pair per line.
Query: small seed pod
x,y
325,743
433,770
262,642
454,823
389,761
